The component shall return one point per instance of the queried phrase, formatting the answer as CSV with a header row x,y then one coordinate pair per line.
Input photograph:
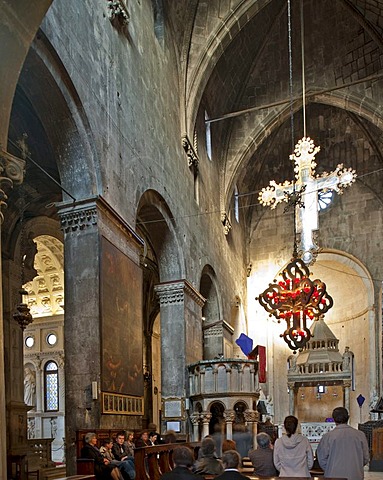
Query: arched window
x,y
236,204
51,387
208,136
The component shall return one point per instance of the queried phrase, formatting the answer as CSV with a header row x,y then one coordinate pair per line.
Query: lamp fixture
x,y
296,299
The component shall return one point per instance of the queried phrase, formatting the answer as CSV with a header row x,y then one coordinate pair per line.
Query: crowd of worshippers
x,y
343,452
115,458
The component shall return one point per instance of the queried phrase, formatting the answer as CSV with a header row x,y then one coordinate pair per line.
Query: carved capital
x,y
174,292
205,417
11,173
229,416
118,14
195,418
226,223
191,154
78,218
251,416
12,168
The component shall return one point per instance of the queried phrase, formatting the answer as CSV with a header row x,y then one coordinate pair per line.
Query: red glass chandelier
x,y
297,300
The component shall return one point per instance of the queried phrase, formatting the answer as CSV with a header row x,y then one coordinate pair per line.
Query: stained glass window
x,y
51,387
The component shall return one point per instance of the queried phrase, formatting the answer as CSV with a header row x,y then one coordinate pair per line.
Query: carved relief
x,y
229,416
191,154
226,223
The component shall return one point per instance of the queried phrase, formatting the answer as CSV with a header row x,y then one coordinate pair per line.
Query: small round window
x,y
52,339
29,341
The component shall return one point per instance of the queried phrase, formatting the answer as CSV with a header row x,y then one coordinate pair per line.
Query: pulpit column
x,y
292,393
206,416
195,419
346,395
229,417
252,417
181,315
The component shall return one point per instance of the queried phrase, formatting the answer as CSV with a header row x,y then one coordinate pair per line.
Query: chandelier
x,y
296,299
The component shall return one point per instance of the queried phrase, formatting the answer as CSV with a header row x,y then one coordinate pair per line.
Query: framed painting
x,y
121,322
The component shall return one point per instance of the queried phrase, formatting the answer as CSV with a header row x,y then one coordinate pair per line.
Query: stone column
x,y
346,395
205,416
229,417
292,390
195,419
87,226
13,412
252,417
181,316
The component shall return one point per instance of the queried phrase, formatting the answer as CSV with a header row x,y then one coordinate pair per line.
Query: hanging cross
x,y
308,185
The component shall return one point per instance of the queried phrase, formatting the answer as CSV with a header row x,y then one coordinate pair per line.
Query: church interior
x,y
151,195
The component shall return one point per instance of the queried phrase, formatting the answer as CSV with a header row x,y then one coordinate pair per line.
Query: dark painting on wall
x,y
121,313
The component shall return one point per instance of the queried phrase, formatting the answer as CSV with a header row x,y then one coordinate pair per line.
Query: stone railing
x,y
223,376
39,453
320,367
314,431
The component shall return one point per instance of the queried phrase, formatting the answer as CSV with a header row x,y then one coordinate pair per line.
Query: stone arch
x,y
206,60
238,322
216,423
20,22
155,219
354,318
212,343
351,103
47,86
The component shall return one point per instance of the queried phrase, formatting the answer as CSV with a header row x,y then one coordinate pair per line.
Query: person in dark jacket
x,y
231,461
262,458
102,466
183,460
123,454
208,463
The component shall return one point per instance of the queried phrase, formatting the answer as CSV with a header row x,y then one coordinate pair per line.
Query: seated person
x,y
207,462
129,445
183,460
262,458
106,452
231,461
143,441
103,469
228,445
122,454
152,438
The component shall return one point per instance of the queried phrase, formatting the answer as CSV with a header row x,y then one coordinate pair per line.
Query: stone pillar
x,y
346,395
252,417
13,411
195,419
87,226
229,417
206,416
292,390
181,317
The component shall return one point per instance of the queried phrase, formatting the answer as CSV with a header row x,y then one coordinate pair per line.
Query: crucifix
x,y
306,188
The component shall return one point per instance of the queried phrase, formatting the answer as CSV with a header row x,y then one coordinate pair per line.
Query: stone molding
x,y
193,160
83,214
174,293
